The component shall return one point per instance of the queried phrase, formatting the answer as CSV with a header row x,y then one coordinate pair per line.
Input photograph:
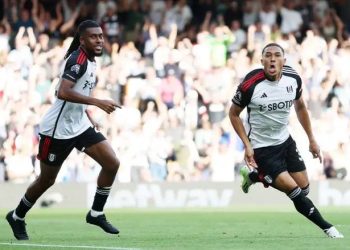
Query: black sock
x,y
306,190
305,206
254,176
23,207
100,199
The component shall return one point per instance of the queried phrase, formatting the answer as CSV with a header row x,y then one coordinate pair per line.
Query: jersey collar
x,y
91,58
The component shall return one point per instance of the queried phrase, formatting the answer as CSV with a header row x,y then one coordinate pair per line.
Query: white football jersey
x,y
65,119
268,105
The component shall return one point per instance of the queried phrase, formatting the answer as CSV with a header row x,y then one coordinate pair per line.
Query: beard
x,y
98,53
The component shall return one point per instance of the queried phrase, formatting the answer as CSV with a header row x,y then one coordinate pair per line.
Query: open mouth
x,y
272,69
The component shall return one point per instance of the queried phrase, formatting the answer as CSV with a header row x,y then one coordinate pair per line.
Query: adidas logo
x,y
263,95
311,211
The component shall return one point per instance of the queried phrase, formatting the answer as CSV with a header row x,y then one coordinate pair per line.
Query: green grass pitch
x,y
232,228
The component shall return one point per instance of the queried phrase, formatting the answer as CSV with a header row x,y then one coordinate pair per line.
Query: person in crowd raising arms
x,y
271,153
67,125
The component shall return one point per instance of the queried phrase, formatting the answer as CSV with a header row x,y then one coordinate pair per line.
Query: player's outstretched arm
x,y
67,93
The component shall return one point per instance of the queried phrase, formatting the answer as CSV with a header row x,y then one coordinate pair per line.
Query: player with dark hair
x,y
270,152
67,125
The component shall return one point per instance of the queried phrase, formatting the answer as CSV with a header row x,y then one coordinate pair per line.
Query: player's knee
x,y
295,194
50,182
302,204
113,165
306,190
116,165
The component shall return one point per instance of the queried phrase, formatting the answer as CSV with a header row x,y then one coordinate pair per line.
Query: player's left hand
x,y
315,150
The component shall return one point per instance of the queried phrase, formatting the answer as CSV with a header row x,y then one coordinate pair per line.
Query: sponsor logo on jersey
x,y
263,95
276,106
75,68
262,108
89,85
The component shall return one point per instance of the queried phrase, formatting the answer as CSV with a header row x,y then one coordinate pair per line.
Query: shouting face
x,y
273,61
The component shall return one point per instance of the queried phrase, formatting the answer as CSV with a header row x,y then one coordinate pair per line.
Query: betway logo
x,y
152,195
332,196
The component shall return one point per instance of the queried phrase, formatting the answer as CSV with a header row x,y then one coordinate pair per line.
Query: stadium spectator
x,y
25,20
267,13
179,14
156,10
271,154
171,90
5,33
45,22
222,156
239,37
134,21
249,13
68,125
110,23
291,19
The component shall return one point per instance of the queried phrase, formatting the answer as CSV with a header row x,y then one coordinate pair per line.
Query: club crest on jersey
x,y
75,68
52,157
290,89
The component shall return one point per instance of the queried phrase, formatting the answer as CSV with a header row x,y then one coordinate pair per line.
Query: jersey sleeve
x,y
241,98
299,88
75,67
245,90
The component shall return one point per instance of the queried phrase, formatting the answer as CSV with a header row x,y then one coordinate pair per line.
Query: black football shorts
x,y
274,160
54,151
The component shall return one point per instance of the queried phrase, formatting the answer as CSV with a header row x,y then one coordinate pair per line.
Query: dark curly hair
x,y
81,29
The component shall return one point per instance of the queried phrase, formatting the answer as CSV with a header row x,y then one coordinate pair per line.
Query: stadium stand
x,y
174,66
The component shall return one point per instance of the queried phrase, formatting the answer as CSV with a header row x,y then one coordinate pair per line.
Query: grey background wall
x,y
175,195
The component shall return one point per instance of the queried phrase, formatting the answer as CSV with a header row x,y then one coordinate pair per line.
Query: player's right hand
x,y
107,105
249,158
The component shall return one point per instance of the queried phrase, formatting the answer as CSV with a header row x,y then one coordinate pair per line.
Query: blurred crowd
x,y
174,66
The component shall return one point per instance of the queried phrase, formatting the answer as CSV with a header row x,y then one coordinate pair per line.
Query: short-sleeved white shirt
x,y
65,119
268,104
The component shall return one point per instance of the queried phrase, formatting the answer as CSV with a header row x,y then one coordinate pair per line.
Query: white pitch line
x,y
65,246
